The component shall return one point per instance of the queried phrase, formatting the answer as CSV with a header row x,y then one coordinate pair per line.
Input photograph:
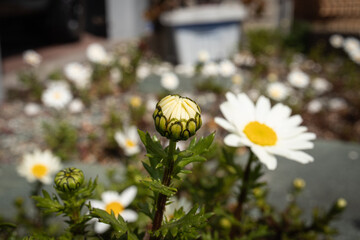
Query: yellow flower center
x,y
39,170
275,93
129,143
116,207
260,134
135,102
57,95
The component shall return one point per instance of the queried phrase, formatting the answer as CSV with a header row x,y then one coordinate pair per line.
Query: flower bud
x,y
177,118
299,183
341,203
69,179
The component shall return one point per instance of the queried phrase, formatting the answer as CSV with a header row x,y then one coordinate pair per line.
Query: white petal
x,y
97,204
100,227
224,124
266,158
110,196
262,109
129,215
233,140
127,196
297,156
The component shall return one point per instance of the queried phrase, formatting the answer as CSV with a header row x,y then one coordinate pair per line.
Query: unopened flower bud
x,y
225,223
341,203
177,118
299,183
69,179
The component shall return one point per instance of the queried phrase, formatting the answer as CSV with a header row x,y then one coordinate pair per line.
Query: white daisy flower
x,y
169,81
32,109
32,58
277,91
185,69
351,44
40,166
112,201
115,75
128,140
227,68
78,74
336,41
298,78
210,69
337,104
355,56
97,54
321,85
314,106
176,204
266,131
203,56
56,96
143,71
76,106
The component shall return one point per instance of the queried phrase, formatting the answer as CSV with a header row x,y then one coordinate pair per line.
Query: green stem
x,y
161,200
243,193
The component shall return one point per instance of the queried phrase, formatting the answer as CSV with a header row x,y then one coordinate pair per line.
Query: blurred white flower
x,y
355,56
78,74
32,58
76,106
321,85
337,104
143,71
112,201
176,204
277,91
336,41
97,54
266,130
57,96
124,61
32,109
115,75
298,78
185,69
128,140
210,69
227,68
39,165
162,68
314,106
244,59
203,56
351,44
169,81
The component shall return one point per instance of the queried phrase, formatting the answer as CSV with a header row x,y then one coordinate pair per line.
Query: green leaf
x,y
152,146
158,187
118,224
202,145
187,226
48,204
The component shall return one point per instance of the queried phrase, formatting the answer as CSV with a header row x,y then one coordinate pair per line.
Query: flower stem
x,y
243,193
161,200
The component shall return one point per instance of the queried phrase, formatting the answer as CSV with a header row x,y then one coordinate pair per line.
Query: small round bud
x,y
69,179
177,118
225,223
341,203
299,183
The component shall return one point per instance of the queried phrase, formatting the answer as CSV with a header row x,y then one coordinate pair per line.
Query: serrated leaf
x,y
152,146
118,224
158,187
185,161
202,145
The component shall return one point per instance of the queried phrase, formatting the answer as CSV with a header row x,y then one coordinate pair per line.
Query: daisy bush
x,y
187,146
